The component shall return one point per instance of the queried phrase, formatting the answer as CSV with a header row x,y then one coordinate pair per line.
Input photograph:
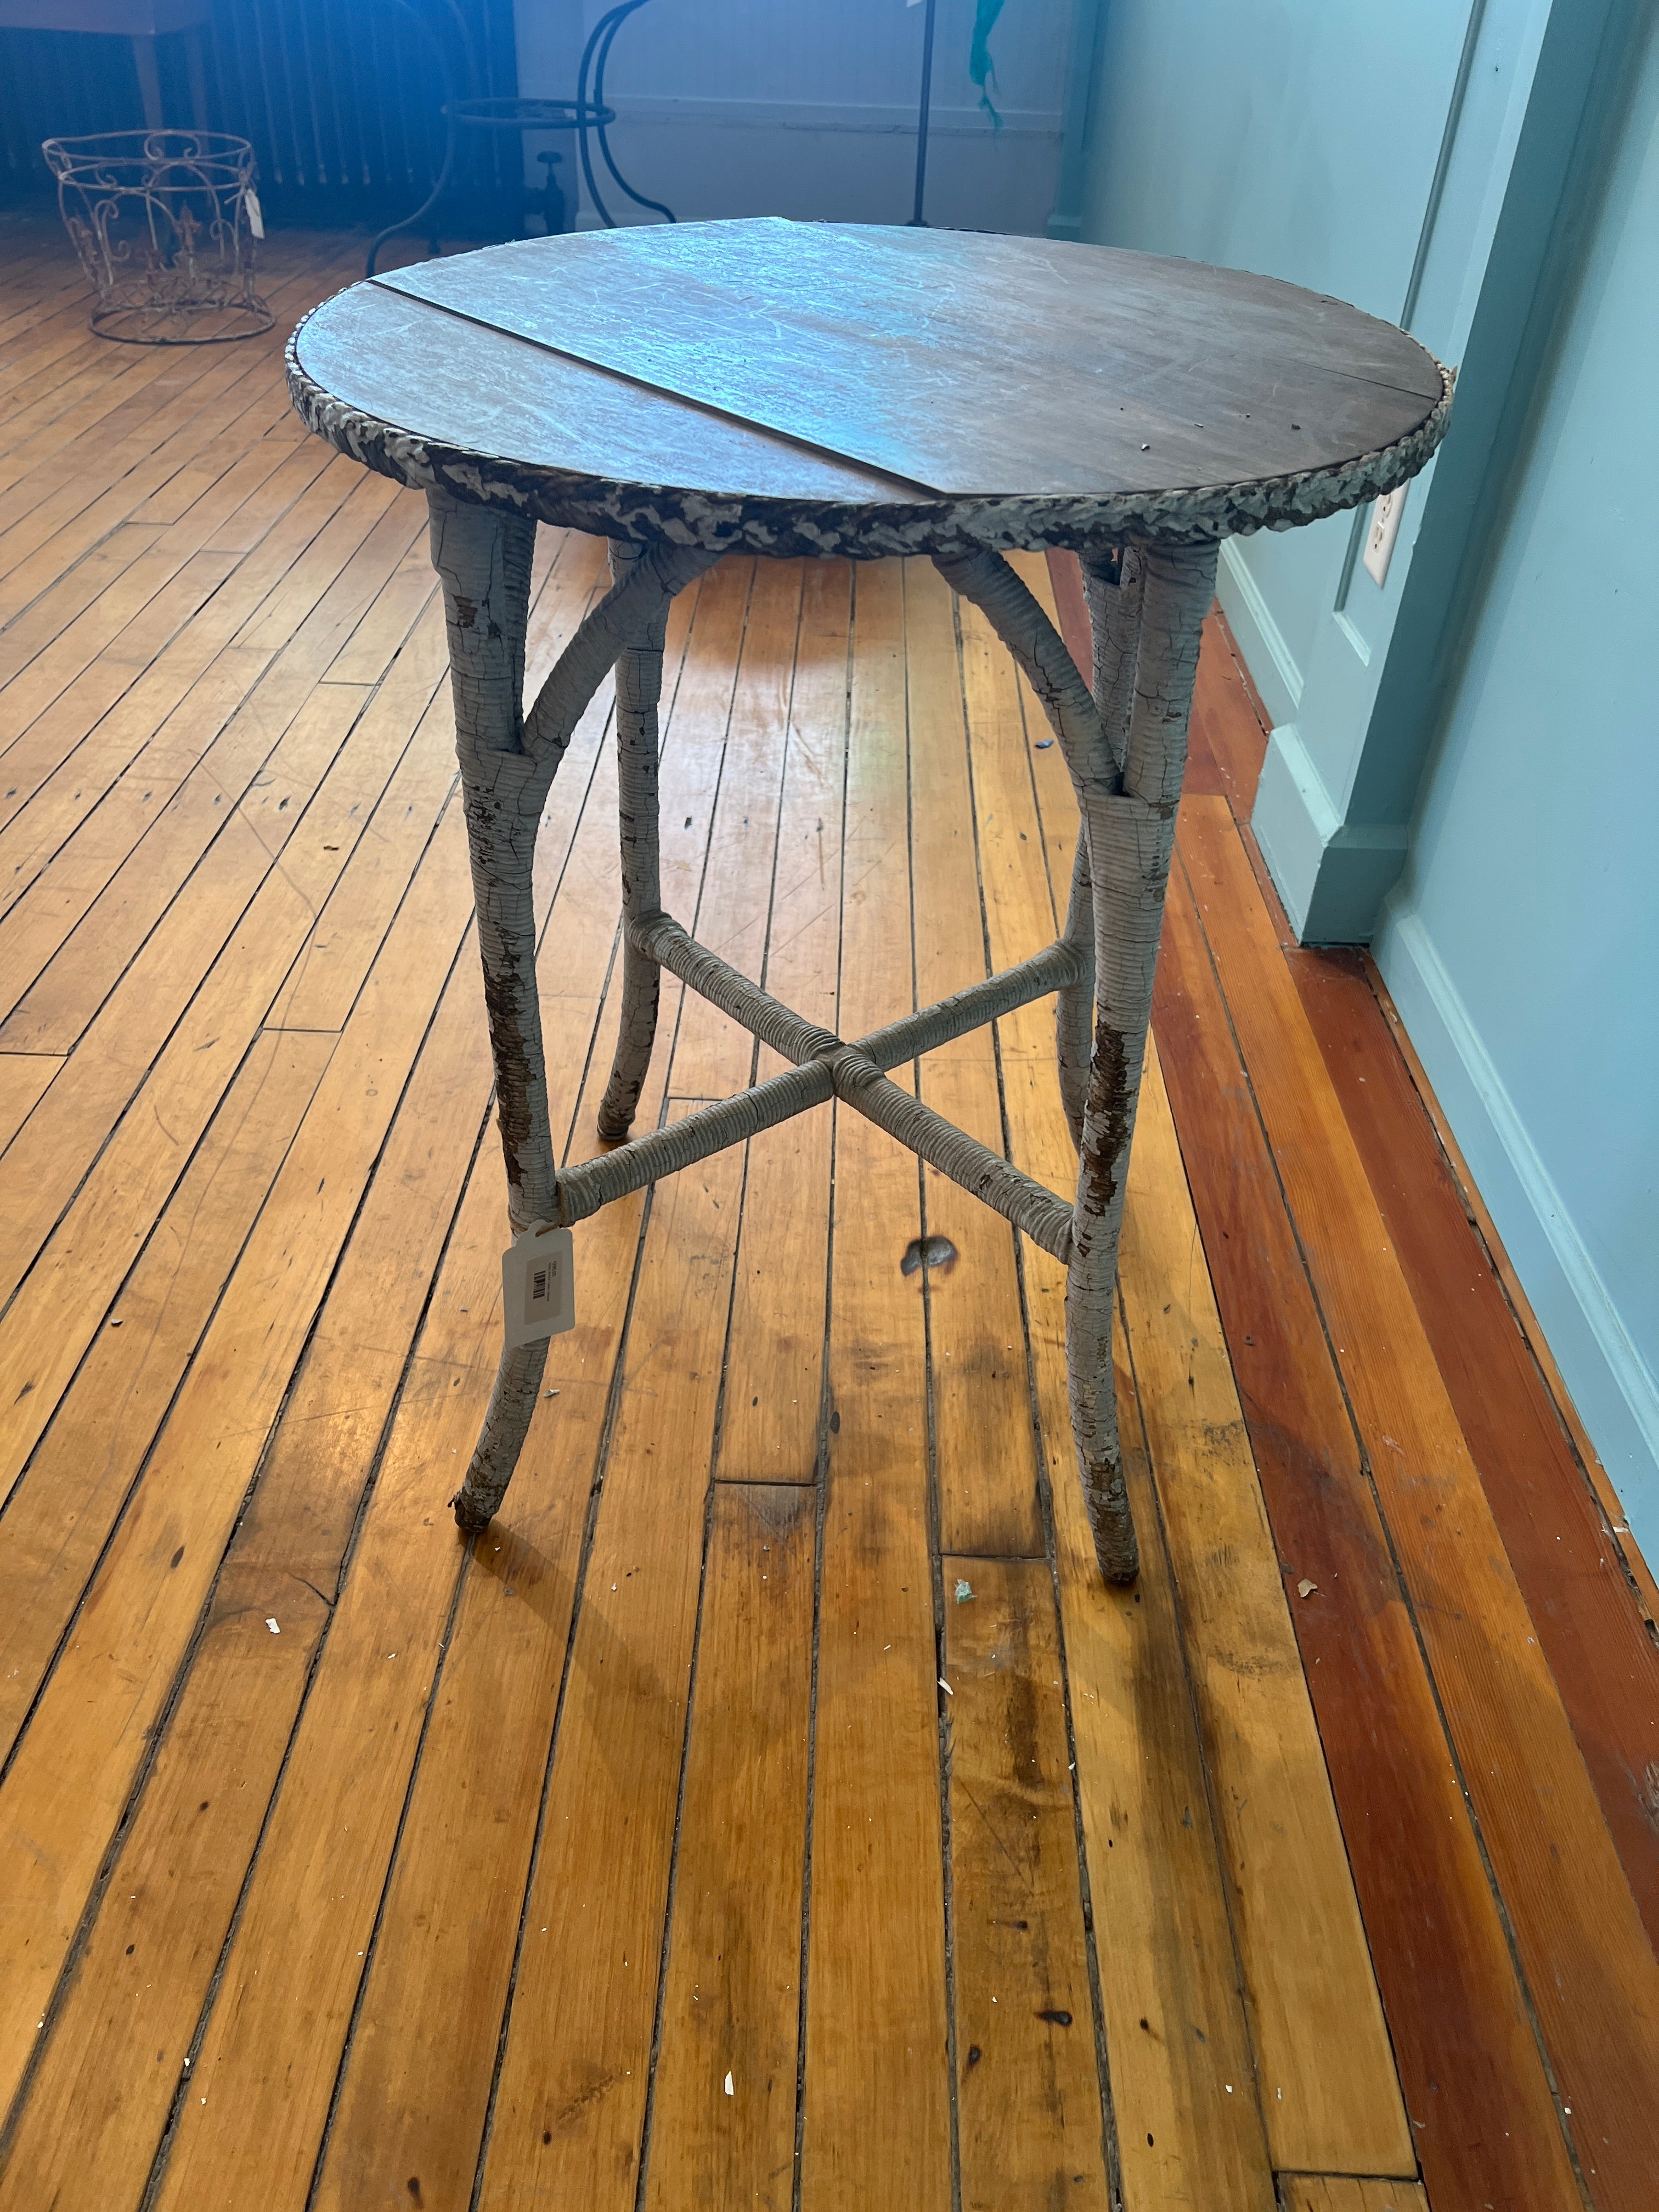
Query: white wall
x,y
807,107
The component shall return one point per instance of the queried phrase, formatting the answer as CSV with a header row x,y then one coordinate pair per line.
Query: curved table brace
x,y
1093,734
508,761
639,688
1127,750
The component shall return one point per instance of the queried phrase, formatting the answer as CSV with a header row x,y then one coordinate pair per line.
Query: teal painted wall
x,y
1522,941
1463,761
1236,131
1425,149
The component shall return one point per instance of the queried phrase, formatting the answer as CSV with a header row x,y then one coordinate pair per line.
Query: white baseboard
x,y
881,117
1611,1383
1272,664
1294,821
1333,875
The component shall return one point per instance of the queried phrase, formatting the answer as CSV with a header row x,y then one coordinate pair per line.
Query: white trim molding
x,y
897,117
1272,664
1330,873
1611,1383
1294,820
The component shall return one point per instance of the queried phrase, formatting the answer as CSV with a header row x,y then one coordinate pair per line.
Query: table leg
x,y
509,760
195,62
150,81
1113,583
639,688
483,558
1126,746
1129,833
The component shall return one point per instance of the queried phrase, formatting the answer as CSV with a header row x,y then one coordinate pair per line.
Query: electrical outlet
x,y
539,1288
1384,529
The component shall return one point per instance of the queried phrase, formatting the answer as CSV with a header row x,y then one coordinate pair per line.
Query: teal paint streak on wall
x,y
1531,888
981,67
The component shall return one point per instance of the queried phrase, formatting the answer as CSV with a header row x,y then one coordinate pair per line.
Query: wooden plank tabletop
x,y
811,388
963,364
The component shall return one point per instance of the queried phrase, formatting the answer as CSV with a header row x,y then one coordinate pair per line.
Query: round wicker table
x,y
799,389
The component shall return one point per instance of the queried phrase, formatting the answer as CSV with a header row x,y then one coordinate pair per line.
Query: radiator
x,y
340,99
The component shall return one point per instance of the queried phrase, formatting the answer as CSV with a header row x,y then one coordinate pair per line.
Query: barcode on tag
x,y
538,1289
256,221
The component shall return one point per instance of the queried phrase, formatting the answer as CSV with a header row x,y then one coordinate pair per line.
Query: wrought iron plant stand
x,y
166,223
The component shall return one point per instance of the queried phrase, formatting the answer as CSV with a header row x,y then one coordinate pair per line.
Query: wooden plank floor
x,y
773,1809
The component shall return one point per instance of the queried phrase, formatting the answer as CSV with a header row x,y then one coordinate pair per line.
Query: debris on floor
x,y
934,1253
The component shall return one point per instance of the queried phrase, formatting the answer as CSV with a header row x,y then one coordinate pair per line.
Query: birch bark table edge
x,y
796,390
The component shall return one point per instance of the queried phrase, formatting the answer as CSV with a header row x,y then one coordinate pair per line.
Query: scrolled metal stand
x,y
596,54
165,223
463,110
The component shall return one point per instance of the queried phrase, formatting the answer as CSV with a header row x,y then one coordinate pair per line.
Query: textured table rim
x,y
795,527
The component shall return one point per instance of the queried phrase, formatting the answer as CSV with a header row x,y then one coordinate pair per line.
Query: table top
x,y
820,387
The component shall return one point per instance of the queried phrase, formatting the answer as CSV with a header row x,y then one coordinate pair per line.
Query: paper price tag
x,y
538,1289
256,221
